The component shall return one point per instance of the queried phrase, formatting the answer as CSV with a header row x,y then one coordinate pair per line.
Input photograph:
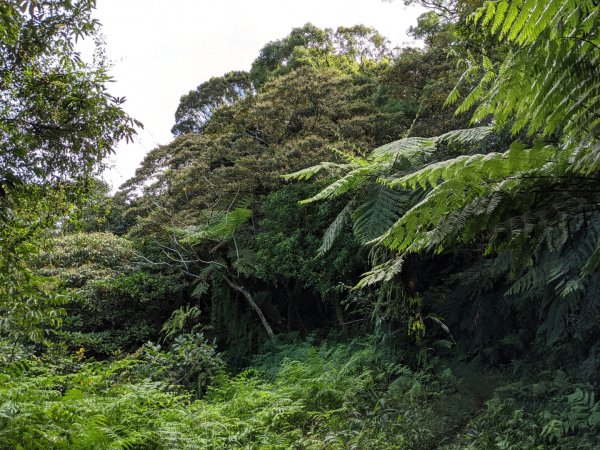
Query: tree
x,y
232,166
118,300
29,302
349,49
57,123
196,108
309,284
326,94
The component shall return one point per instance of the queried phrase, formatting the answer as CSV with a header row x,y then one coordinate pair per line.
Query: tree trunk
x,y
255,307
339,314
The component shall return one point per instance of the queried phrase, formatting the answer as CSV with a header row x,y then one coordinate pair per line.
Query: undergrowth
x,y
351,395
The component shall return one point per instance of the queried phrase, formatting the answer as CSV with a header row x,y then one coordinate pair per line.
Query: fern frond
x,y
407,148
382,209
550,79
465,136
348,182
381,273
334,230
328,167
475,168
222,228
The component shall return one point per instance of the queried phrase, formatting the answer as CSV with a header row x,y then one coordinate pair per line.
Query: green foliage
x,y
117,301
349,49
462,191
547,414
197,107
318,94
95,407
57,121
331,396
512,229
387,206
548,82
479,248
191,361
291,229
30,304
180,321
221,228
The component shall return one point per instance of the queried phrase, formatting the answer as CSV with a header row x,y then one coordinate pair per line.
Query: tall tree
x,y
196,108
57,123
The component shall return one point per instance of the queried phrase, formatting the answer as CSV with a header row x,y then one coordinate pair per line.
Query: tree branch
x,y
254,306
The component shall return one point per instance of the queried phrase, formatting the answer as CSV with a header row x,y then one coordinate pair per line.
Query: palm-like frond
x,y
335,229
221,228
380,211
326,166
380,205
550,79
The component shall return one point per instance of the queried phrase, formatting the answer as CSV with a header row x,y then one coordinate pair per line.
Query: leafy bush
x,y
117,302
191,361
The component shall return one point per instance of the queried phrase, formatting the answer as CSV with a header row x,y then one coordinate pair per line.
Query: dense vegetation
x,y
347,246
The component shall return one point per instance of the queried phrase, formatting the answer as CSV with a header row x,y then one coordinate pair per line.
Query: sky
x,y
162,49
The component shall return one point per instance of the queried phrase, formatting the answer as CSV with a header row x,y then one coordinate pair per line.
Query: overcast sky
x,y
161,49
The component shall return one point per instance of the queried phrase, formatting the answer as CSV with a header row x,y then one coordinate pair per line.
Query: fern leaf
x,y
384,207
220,229
334,230
308,173
381,273
348,182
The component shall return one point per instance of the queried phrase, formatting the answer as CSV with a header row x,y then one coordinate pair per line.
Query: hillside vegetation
x,y
348,246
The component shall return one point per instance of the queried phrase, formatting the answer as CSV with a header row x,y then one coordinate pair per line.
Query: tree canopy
x,y
57,123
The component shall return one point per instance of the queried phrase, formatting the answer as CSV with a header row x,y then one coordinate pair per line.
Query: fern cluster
x,y
350,395
547,414
549,81
519,219
377,202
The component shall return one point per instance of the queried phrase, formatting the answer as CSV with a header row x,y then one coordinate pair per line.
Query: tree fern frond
x,y
465,136
308,173
406,148
531,281
492,166
384,207
593,263
334,230
222,228
549,79
348,182
243,259
381,273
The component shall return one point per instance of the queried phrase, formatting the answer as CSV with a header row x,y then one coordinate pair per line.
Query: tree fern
x,y
308,173
376,207
529,210
382,272
462,189
380,211
550,80
350,181
515,162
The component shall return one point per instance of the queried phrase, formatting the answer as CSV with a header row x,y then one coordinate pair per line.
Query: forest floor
x,y
299,395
